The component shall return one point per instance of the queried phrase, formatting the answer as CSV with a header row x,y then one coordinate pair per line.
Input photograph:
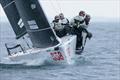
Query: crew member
x,y
85,33
64,23
59,29
60,25
79,26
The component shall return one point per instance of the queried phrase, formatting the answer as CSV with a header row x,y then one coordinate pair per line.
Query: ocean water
x,y
99,61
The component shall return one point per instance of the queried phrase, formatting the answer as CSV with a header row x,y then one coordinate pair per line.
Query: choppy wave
x,y
100,60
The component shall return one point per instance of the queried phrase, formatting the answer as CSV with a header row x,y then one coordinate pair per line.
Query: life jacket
x,y
57,25
64,22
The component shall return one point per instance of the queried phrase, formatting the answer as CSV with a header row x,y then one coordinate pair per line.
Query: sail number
x,y
57,56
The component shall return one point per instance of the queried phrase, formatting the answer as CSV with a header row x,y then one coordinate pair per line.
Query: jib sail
x,y
13,17
36,23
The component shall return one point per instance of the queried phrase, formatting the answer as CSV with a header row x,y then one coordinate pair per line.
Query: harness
x,y
65,23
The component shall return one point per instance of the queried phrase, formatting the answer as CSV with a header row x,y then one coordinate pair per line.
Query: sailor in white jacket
x,y
56,23
79,26
65,23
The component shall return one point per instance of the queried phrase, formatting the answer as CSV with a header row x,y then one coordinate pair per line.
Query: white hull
x,y
65,54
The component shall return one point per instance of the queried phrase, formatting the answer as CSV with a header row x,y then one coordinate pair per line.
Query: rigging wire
x,y
59,6
47,1
53,6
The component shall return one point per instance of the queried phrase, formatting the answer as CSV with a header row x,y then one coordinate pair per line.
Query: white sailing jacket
x,y
60,25
79,18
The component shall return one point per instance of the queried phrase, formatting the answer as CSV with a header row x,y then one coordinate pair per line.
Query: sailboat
x,y
28,20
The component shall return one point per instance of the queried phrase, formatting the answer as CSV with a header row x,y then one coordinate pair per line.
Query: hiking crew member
x,y
79,26
85,33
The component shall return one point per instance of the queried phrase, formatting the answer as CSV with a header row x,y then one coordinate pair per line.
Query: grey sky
x,y
70,8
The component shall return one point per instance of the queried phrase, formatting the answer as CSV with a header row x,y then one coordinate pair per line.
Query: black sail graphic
x,y
13,17
36,23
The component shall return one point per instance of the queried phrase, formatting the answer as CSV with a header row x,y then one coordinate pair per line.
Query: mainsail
x,y
14,17
34,20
